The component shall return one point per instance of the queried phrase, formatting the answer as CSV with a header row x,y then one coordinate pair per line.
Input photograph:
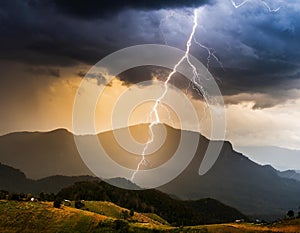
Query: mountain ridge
x,y
234,179
94,189
15,181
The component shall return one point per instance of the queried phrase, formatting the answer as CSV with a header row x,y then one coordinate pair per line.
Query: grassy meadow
x,y
97,216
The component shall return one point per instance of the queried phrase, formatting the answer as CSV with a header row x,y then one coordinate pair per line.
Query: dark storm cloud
x,y
139,76
94,9
94,76
56,32
143,76
235,80
259,50
81,73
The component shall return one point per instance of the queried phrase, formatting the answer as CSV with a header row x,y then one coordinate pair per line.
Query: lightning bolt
x,y
262,1
154,110
211,54
195,84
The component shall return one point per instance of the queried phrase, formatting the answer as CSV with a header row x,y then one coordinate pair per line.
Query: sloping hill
x,y
112,210
237,181
290,174
32,216
152,201
13,180
36,217
174,211
42,217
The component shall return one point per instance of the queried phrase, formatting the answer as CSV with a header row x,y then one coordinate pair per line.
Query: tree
x,y
42,196
57,202
14,197
22,196
3,194
290,214
131,212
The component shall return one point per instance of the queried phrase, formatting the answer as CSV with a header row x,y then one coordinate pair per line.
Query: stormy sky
x,y
47,46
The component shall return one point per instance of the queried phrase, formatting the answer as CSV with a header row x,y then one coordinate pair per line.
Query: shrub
x,y
66,203
290,214
125,214
79,204
121,226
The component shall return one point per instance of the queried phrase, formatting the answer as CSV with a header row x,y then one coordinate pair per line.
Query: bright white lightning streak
x,y
211,53
269,8
239,5
158,100
262,1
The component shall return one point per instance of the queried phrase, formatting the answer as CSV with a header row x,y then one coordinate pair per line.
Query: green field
x,y
107,217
